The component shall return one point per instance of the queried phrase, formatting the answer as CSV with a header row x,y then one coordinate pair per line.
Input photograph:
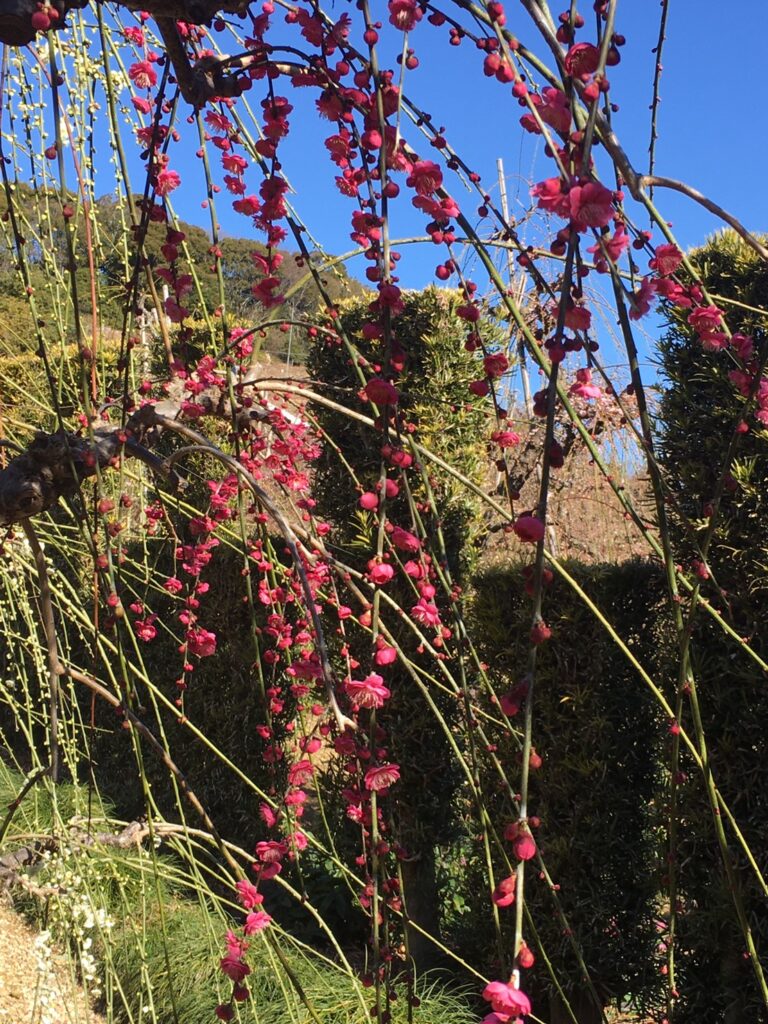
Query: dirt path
x,y
36,986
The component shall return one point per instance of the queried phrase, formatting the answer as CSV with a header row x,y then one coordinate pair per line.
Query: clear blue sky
x,y
712,123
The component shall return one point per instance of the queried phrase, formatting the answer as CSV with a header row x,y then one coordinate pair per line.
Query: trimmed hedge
x,y
599,734
698,412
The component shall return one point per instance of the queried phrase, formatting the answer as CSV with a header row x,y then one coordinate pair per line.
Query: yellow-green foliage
x,y
435,398
29,394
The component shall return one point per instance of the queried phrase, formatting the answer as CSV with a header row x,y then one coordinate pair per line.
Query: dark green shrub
x,y
699,409
598,733
435,398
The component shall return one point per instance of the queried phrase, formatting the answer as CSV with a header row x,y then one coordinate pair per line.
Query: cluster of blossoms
x,y
192,557
47,996
234,966
508,1003
142,74
749,379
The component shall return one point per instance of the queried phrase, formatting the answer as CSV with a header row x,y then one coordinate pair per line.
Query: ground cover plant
x,y
305,715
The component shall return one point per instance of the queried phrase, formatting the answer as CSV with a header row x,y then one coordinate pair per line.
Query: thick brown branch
x,y
54,465
193,12
23,859
198,82
18,863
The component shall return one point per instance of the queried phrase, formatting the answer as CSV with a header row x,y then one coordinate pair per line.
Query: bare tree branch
x,y
48,622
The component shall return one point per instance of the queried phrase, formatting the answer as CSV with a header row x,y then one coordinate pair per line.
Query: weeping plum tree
x,y
137,458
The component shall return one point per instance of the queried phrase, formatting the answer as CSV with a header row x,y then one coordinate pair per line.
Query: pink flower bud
x,y
368,501
529,528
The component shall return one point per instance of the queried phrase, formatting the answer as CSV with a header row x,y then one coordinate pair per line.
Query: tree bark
x,y
421,902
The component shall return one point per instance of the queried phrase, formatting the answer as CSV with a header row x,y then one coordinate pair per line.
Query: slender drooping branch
x,y
657,50
149,736
57,669
655,181
47,621
16,802
202,444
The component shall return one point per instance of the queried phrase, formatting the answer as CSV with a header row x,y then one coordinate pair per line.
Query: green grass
x,y
161,956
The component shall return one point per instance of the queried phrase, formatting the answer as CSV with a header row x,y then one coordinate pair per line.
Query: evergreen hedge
x,y
699,410
599,735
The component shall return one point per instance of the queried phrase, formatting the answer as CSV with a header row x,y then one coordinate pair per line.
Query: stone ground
x,y
30,994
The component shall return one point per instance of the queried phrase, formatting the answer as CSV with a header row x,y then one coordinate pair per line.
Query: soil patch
x,y
37,985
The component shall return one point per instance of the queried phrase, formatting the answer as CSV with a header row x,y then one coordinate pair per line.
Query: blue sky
x,y
711,124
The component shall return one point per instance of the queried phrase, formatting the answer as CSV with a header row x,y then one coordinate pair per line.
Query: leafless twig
x,y
45,607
